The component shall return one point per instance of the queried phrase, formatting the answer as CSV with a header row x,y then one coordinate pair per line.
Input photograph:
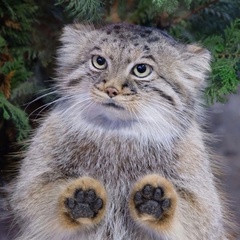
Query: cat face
x,y
124,75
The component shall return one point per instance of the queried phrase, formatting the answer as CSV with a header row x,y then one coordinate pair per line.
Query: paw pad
x,y
83,204
150,200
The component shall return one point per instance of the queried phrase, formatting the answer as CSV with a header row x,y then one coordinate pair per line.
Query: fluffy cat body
x,y
116,133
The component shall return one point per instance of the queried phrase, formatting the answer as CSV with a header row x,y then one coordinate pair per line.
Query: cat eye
x,y
142,70
99,62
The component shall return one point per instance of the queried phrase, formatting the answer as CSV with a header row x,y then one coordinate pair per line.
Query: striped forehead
x,y
129,42
129,33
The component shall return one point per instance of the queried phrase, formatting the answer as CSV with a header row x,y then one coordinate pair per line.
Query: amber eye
x,y
99,62
142,70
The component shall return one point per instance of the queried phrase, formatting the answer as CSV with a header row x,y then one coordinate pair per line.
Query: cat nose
x,y
111,91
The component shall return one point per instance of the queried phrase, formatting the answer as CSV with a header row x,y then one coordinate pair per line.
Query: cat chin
x,y
109,117
130,127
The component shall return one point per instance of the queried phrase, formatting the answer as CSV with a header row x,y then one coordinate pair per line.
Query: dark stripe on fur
x,y
164,95
149,57
175,86
73,82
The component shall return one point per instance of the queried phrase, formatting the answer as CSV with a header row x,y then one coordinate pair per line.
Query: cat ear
x,y
197,63
75,32
74,39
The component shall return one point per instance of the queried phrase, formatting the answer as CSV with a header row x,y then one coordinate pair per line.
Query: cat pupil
x,y
101,60
141,68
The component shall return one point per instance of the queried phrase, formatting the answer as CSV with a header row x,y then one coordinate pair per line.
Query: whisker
x,y
140,106
153,124
166,108
134,113
48,104
78,103
36,99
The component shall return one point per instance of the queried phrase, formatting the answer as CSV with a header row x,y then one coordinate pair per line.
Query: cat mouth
x,y
113,105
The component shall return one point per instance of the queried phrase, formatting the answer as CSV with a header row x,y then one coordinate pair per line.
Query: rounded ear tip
x,y
197,49
78,26
75,27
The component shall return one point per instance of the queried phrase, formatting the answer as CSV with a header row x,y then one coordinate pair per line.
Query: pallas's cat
x,y
122,155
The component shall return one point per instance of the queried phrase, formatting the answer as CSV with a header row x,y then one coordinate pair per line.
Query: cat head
x,y
123,75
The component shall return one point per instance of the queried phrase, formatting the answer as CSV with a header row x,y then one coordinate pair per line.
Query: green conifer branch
x,y
226,64
15,114
16,54
89,10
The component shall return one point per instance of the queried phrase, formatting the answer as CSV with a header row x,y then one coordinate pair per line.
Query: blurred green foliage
x,y
16,55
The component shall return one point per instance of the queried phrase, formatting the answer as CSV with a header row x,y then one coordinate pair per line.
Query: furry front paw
x,y
82,203
153,202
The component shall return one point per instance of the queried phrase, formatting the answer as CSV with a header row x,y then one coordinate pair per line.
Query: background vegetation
x,y
28,38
